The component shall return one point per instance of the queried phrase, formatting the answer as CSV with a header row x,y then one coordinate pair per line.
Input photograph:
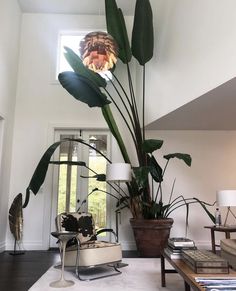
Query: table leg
x,y
186,285
227,234
213,244
163,276
62,282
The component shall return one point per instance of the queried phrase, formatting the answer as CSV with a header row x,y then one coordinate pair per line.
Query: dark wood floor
x,y
20,272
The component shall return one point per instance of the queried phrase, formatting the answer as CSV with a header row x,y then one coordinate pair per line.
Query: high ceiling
x,y
73,6
215,110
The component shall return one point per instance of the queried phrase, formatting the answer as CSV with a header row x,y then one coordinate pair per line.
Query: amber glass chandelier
x,y
98,51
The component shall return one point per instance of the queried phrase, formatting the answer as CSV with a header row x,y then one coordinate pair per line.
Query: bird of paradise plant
x,y
89,87
144,197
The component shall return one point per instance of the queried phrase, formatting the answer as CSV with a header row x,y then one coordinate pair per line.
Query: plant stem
x,y
123,102
144,102
122,115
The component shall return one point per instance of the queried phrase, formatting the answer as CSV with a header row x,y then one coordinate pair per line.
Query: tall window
x,y
76,182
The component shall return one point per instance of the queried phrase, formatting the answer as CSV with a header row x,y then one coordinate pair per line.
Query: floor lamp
x,y
117,173
226,198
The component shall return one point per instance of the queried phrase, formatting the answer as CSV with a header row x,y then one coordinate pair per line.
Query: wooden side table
x,y
226,229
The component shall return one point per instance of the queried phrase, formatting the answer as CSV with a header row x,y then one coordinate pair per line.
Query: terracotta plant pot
x,y
151,236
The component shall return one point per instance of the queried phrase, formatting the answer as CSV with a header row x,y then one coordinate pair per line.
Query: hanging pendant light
x,y
98,51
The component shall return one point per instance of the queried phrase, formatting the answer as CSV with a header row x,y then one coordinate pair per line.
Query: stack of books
x,y
205,262
176,245
217,283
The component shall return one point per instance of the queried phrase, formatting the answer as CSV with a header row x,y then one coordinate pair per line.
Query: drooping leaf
x,y
107,113
70,163
77,65
116,27
83,89
185,157
100,177
155,169
142,34
27,197
151,145
41,169
203,204
16,217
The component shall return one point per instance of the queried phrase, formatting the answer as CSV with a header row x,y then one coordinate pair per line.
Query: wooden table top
x,y
189,276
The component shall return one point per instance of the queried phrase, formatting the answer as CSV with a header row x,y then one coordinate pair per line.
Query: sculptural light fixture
x,y
98,51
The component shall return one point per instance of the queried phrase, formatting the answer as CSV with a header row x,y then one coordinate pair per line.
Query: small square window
x,y
72,40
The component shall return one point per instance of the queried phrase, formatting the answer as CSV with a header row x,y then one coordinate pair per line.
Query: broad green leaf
x,y
155,169
142,34
116,28
185,157
107,113
126,44
83,89
151,145
77,65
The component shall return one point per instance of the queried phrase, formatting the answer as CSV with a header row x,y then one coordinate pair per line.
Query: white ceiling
x,y
73,6
215,110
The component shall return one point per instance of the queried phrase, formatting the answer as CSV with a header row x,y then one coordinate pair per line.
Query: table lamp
x,y
118,172
226,198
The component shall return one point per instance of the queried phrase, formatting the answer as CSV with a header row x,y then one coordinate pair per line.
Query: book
x,y
217,283
180,249
180,242
203,258
171,254
205,262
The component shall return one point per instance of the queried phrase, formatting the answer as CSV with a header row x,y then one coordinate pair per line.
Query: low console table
x,y
185,272
226,229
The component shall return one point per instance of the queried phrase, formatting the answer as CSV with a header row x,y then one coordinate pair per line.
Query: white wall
x,y
194,52
41,105
213,168
10,19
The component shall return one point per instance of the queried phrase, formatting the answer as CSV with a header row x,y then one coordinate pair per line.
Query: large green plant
x,y
89,87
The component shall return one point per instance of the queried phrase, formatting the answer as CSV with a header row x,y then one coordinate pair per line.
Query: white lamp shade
x,y
118,172
226,197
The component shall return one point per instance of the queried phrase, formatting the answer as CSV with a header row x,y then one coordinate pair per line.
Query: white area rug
x,y
141,274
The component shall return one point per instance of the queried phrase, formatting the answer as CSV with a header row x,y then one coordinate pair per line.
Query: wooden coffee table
x,y
186,273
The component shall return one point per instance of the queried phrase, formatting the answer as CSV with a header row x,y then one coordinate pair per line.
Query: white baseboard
x,y
2,246
27,246
128,245
205,245
131,245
